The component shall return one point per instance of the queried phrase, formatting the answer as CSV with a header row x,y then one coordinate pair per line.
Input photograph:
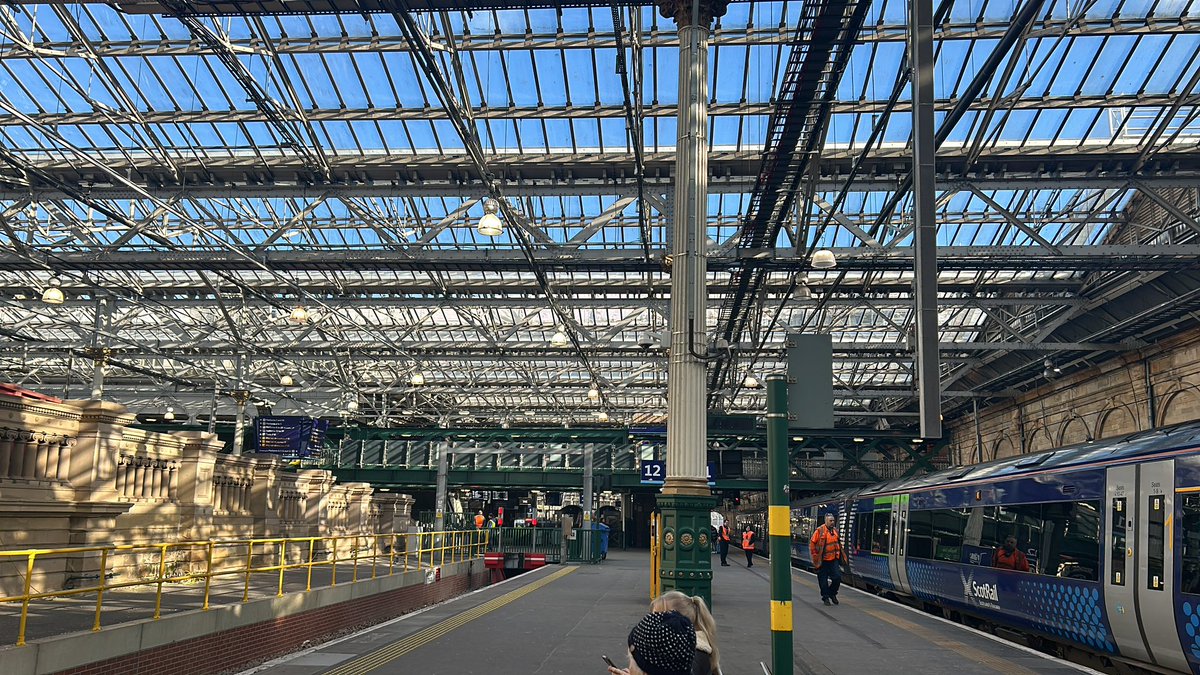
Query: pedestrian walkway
x,y
560,620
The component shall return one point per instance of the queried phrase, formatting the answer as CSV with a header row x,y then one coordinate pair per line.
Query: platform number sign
x,y
654,472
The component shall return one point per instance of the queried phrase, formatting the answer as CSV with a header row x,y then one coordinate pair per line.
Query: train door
x,y
1121,584
1155,555
897,543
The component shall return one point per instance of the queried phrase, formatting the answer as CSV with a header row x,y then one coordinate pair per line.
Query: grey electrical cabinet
x,y
810,380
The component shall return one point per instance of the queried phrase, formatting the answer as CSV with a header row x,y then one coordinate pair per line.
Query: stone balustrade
x,y
76,474
33,455
147,478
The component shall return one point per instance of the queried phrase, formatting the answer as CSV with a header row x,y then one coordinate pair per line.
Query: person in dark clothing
x,y
661,644
723,539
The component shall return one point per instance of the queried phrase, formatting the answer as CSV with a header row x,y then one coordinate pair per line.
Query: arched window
x,y
1181,406
1039,440
1074,430
1116,422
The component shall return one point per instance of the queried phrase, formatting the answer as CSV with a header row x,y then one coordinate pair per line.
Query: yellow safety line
x,y
423,637
997,663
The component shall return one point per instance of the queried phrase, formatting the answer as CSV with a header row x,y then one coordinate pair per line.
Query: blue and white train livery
x,y
1110,531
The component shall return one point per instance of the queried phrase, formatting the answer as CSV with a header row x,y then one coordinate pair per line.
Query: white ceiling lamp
x,y
490,224
298,316
352,405
594,394
823,259
53,295
803,292
287,381
750,382
602,416
417,379
170,415
559,339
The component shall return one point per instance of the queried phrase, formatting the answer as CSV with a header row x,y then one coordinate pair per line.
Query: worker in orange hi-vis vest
x,y
748,545
826,549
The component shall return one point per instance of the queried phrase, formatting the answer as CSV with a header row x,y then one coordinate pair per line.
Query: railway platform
x,y
560,620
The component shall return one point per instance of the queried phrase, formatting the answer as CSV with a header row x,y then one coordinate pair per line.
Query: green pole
x,y
779,525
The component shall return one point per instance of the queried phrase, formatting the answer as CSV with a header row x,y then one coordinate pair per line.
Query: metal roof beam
x,y
658,37
544,185
436,349
377,300
951,258
865,107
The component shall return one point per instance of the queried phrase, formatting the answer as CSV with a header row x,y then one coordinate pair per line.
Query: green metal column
x,y
686,545
779,525
686,498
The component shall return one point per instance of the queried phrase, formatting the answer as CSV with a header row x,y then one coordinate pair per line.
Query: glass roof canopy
x,y
210,182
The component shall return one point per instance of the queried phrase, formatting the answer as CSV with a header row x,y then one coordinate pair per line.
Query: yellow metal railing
x,y
236,559
656,554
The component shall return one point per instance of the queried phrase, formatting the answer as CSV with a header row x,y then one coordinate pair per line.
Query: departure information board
x,y
289,436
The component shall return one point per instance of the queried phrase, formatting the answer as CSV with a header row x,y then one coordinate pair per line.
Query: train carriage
x,y
1110,531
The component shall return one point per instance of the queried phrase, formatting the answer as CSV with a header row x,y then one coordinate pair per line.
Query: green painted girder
x,y
472,434
605,479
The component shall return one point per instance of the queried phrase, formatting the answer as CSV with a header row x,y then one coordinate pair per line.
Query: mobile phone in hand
x,y
608,661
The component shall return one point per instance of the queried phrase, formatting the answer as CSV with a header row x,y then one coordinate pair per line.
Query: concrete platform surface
x,y
560,620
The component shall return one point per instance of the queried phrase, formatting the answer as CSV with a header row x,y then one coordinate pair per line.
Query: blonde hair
x,y
696,611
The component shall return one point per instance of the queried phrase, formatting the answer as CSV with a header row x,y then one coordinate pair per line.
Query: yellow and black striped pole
x,y
779,526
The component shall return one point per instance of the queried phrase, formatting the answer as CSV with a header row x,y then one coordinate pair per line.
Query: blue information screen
x,y
289,436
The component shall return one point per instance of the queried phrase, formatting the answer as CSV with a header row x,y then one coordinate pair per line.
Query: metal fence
x,y
585,546
168,568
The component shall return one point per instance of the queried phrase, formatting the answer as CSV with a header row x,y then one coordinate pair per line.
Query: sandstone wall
x,y
1140,390
75,474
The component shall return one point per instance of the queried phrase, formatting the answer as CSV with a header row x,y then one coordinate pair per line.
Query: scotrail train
x,y
1110,530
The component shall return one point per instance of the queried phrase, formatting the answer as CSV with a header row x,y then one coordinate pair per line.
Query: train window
x,y
978,543
1071,540
1189,529
881,535
862,532
1155,542
1116,547
948,526
920,534
1023,521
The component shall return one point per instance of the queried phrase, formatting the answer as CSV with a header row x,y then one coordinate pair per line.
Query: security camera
x,y
718,347
645,341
